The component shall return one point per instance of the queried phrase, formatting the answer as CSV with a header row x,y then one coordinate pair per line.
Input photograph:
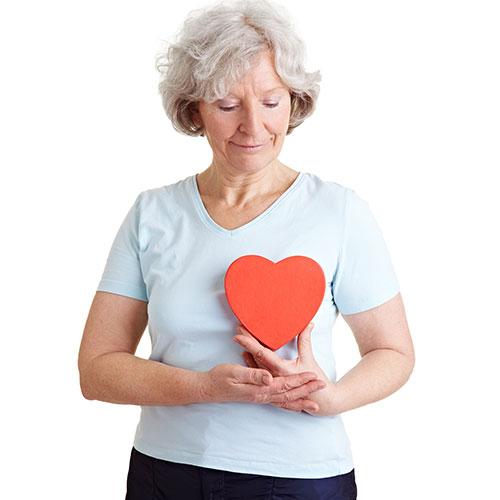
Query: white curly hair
x,y
213,50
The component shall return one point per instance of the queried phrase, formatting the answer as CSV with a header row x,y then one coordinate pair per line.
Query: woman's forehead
x,y
274,88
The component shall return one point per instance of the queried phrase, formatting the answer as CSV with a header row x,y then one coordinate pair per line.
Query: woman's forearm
x,y
123,378
378,374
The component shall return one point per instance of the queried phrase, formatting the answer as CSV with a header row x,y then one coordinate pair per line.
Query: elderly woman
x,y
222,419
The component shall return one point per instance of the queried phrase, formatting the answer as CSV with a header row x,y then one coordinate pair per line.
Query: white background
x,y
408,117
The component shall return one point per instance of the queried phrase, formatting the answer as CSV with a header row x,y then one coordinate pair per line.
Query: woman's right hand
x,y
232,382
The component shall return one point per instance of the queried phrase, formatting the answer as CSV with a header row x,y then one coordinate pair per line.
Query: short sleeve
x,y
122,273
365,277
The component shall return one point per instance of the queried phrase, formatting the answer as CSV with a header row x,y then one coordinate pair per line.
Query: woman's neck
x,y
241,188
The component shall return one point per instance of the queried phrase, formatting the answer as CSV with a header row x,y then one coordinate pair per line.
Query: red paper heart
x,y
274,301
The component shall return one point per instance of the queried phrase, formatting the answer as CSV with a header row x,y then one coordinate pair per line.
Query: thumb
x,y
304,345
255,376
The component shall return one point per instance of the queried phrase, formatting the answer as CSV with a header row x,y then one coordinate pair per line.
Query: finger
x,y
249,360
288,395
304,346
298,405
243,331
256,364
262,355
285,391
255,376
275,389
282,385
260,352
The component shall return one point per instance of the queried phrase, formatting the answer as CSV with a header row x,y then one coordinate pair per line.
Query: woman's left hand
x,y
259,356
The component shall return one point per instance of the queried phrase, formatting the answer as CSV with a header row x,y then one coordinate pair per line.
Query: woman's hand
x,y
259,356
231,382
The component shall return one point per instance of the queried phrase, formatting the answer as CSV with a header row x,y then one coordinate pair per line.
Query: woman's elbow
x,y
85,389
409,365
85,386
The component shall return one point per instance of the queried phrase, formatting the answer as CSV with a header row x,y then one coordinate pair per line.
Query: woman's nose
x,y
252,121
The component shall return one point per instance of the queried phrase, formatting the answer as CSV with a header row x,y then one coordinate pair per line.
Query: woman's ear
x,y
196,118
195,114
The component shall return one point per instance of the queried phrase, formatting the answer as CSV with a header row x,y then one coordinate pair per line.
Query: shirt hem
x,y
112,286
276,469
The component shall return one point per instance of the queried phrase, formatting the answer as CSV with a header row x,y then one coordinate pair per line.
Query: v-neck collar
x,y
211,224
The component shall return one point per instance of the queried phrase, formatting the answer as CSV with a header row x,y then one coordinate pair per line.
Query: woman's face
x,y
256,112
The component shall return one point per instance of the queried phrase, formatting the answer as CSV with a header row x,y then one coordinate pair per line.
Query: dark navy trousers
x,y
150,478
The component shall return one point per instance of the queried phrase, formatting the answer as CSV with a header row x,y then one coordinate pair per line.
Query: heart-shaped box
x,y
274,301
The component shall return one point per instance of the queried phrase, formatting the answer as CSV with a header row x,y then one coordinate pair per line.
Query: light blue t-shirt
x,y
170,253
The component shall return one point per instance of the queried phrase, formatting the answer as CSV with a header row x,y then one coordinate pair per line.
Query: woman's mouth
x,y
250,148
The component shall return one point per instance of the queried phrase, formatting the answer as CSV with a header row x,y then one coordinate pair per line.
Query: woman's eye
x,y
230,108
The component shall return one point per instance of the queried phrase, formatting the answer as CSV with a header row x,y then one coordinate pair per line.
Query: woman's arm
x,y
379,373
109,370
387,359
121,377
388,356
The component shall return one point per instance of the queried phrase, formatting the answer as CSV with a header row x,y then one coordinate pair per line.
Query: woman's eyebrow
x,y
275,88
264,92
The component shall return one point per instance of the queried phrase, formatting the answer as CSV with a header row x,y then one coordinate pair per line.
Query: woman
x,y
215,425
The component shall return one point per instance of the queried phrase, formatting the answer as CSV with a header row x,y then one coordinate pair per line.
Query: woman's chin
x,y
251,165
